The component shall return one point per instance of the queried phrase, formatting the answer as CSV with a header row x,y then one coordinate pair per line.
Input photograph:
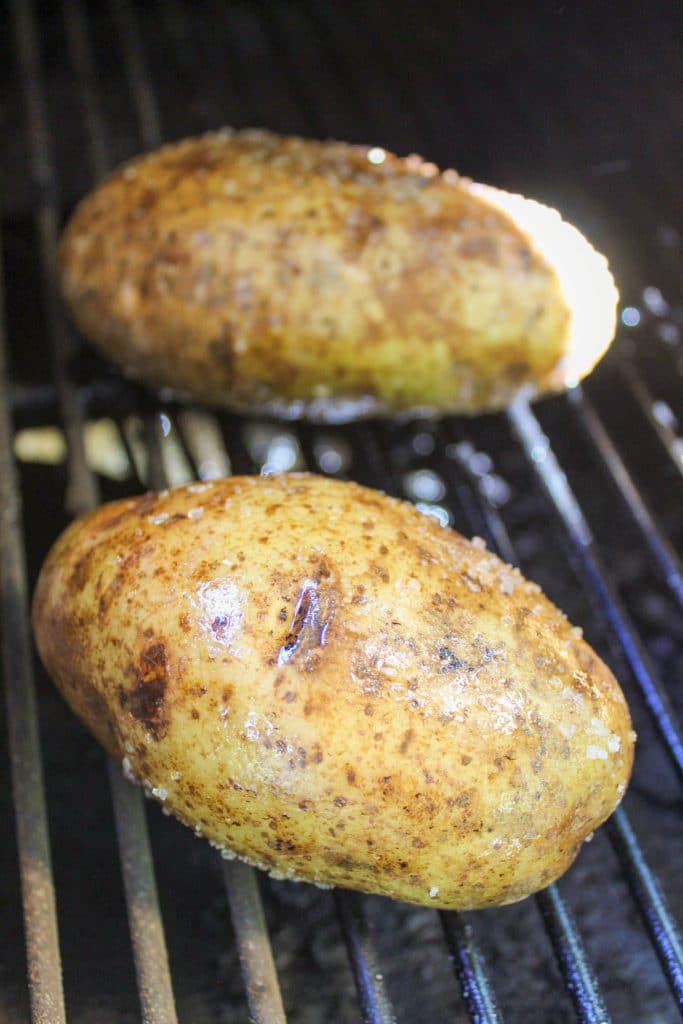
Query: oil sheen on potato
x,y
330,685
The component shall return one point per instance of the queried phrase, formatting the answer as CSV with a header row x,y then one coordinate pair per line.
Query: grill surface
x,y
583,492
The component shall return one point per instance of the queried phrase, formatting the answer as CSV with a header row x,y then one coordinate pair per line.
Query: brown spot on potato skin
x,y
408,738
146,699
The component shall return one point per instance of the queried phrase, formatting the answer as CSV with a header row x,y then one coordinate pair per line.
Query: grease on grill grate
x,y
610,561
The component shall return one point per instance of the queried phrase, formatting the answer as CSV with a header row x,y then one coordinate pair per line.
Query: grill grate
x,y
358,79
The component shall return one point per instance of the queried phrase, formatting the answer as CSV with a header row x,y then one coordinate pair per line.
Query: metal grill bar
x,y
81,59
571,957
143,908
144,914
544,462
374,999
661,548
471,970
645,400
663,930
644,888
37,882
80,493
256,955
138,76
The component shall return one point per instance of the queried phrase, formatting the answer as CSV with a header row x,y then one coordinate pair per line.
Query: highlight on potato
x,y
327,683
586,283
332,281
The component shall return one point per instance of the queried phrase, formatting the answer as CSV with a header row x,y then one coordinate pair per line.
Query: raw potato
x,y
333,281
334,687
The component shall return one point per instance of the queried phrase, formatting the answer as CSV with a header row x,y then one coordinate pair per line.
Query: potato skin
x,y
329,684
275,273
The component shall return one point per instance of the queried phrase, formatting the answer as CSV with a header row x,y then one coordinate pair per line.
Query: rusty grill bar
x,y
376,461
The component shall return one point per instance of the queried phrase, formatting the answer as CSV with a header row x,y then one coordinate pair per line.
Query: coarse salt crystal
x,y
128,771
507,584
596,753
434,892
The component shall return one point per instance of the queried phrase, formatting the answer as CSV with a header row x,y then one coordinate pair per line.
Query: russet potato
x,y
329,684
322,279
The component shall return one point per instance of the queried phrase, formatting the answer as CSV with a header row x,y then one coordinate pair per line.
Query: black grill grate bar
x,y
138,875
33,841
253,944
305,97
646,401
372,992
80,495
471,970
137,73
144,914
492,523
653,907
661,548
644,887
571,957
544,462
83,64
155,475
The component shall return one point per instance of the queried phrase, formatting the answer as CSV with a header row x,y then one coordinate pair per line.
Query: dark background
x,y
580,106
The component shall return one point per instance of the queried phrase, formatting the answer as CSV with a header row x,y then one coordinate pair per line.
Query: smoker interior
x,y
577,108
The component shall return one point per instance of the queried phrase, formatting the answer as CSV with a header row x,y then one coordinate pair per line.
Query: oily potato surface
x,y
331,685
330,280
